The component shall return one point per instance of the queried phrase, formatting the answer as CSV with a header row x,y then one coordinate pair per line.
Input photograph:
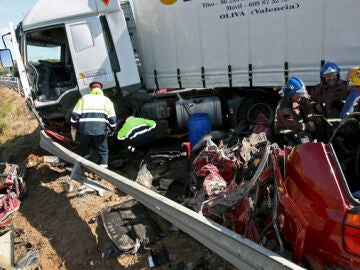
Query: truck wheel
x,y
249,110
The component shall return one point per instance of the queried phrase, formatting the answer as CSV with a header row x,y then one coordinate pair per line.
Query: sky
x,y
12,11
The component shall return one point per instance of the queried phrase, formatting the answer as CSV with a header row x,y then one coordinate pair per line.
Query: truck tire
x,y
250,108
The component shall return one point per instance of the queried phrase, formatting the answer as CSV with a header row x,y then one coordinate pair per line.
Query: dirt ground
x,y
66,228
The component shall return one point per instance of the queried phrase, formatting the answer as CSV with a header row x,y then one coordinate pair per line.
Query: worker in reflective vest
x,y
94,118
136,132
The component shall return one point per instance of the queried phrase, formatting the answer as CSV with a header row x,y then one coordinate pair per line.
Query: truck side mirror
x,y
6,60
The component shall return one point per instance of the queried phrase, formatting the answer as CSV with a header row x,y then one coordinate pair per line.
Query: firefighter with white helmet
x,y
94,117
294,112
327,98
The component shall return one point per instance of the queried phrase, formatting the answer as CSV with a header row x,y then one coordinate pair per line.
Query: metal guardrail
x,y
239,251
10,81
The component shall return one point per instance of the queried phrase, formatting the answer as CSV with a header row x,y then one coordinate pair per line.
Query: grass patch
x,y
15,119
5,119
15,123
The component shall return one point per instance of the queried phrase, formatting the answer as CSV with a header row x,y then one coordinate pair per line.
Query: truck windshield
x,y
36,53
45,44
48,62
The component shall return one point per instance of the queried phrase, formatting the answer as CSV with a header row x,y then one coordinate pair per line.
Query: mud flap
x,y
130,226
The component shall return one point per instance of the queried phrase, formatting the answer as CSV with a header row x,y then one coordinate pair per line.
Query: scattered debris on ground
x,y
55,227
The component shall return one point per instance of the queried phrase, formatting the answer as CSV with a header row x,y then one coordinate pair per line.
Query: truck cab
x,y
71,45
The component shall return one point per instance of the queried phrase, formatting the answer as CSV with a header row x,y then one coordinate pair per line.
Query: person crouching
x,y
136,132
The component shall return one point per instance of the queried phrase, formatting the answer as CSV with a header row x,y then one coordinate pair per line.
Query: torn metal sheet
x,y
7,250
78,176
29,259
144,177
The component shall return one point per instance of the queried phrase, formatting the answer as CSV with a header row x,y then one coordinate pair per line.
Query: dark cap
x,y
95,85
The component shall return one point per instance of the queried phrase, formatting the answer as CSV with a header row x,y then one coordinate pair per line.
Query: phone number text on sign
x,y
241,8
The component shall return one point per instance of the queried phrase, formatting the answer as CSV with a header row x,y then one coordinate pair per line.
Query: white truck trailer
x,y
225,57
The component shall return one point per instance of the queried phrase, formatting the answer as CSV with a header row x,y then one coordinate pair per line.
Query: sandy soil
x,y
66,228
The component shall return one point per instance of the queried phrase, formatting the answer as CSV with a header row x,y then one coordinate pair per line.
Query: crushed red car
x,y
300,201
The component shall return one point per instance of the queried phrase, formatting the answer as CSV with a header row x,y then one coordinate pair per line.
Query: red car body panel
x,y
310,198
313,204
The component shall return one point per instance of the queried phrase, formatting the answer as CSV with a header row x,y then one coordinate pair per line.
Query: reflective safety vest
x,y
135,126
94,113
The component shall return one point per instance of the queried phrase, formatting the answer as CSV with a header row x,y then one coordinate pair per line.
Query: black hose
x,y
357,162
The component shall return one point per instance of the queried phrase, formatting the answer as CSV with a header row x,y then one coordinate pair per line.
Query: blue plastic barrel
x,y
198,124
